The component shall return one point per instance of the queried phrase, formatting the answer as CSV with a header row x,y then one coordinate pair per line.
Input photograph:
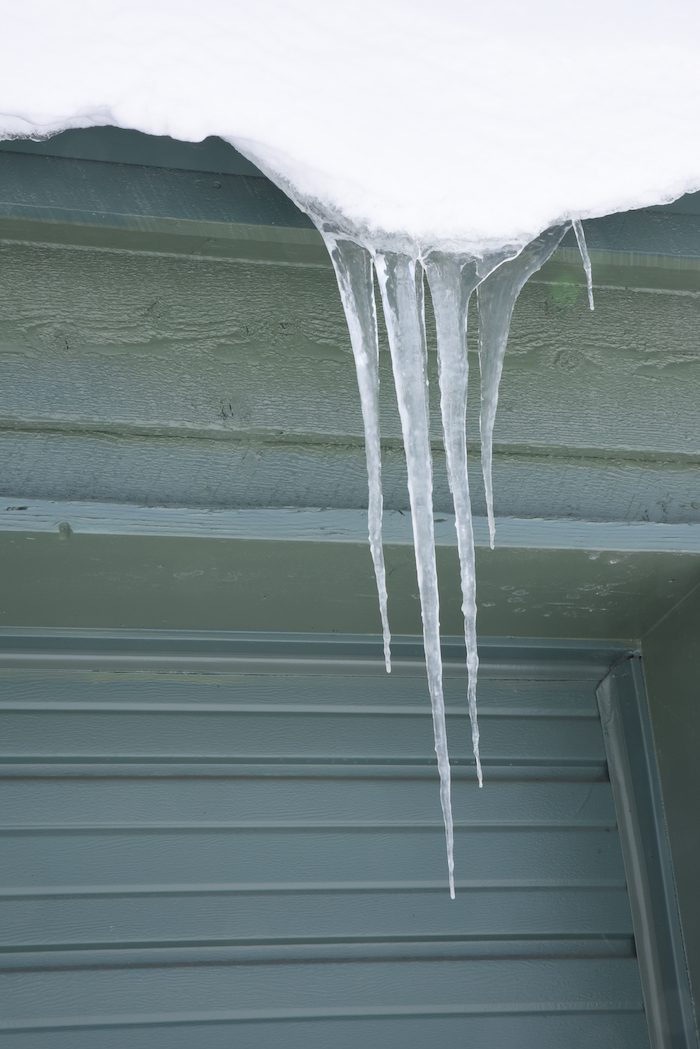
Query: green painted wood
x,y
168,346
172,582
279,874
153,471
335,526
170,381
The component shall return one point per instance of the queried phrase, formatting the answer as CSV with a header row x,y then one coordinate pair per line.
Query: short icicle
x,y
585,259
353,270
497,296
400,281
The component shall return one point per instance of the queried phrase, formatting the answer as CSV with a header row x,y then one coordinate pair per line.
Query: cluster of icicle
x,y
452,278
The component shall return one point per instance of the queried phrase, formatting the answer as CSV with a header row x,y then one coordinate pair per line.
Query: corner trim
x,y
634,777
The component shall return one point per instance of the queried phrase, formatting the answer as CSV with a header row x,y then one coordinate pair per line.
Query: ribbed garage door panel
x,y
254,856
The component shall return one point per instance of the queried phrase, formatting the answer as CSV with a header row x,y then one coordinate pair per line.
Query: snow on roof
x,y
452,122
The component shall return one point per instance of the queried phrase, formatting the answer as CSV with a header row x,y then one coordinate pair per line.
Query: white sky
x,y
451,121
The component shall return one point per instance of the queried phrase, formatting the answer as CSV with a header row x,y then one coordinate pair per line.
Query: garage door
x,y
216,841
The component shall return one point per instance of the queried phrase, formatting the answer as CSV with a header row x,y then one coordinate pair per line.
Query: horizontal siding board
x,y
254,472
324,525
352,987
187,382
384,854
147,652
53,690
108,340
611,1030
313,916
275,736
257,856
97,801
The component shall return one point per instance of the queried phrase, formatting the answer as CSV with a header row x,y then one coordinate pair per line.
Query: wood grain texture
x,y
157,471
308,524
117,340
172,381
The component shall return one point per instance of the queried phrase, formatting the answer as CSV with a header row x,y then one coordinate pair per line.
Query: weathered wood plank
x,y
121,342
170,582
178,471
335,526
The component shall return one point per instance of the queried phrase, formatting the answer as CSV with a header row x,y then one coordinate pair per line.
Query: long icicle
x,y
452,280
585,259
400,281
497,296
353,269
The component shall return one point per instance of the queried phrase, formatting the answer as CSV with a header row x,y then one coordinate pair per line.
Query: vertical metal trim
x,y
634,778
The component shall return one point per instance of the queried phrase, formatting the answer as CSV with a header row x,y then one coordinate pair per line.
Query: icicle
x,y
451,280
353,270
497,296
585,259
402,294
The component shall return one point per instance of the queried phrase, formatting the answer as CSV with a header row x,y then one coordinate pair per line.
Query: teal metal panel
x,y
671,654
225,840
647,856
121,146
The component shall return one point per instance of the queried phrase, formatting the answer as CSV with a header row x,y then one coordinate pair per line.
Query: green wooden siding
x,y
181,381
226,842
